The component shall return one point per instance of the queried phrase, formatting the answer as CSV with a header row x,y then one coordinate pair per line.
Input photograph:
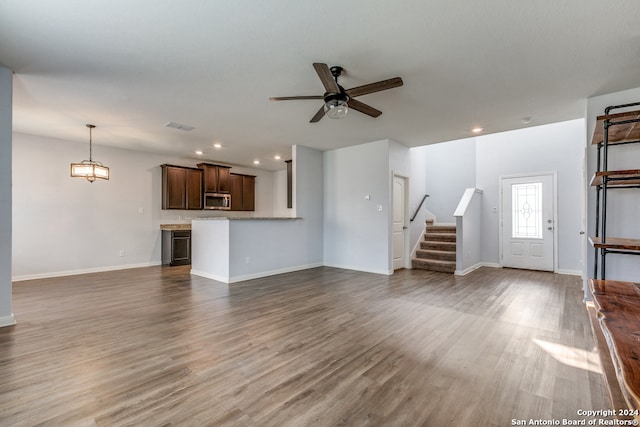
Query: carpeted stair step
x,y
431,254
434,265
441,229
438,246
440,237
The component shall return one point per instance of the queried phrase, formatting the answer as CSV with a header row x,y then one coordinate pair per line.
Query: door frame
x,y
406,262
554,186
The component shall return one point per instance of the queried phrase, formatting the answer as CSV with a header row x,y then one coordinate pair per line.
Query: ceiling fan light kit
x,y
337,100
336,108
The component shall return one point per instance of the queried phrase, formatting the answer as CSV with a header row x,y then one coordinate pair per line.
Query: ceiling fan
x,y
337,100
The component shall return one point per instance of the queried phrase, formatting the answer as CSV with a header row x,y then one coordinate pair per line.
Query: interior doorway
x,y
528,221
400,221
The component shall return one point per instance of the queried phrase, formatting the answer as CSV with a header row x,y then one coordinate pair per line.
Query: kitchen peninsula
x,y
231,249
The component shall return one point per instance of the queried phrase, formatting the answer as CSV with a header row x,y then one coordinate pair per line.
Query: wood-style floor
x,y
324,347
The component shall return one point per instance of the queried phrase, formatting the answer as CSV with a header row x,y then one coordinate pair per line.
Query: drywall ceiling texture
x,y
130,67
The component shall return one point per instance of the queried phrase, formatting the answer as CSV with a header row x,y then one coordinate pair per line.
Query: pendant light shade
x,y
89,169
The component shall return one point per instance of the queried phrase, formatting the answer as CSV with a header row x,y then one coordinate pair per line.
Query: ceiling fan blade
x,y
375,87
326,77
290,98
318,116
364,108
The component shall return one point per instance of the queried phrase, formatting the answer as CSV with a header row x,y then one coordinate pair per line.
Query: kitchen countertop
x,y
234,218
184,227
175,227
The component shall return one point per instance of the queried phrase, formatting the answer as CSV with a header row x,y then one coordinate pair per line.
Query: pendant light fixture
x,y
89,169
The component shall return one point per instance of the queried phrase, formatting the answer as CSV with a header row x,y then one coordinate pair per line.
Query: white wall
x,y
468,216
356,232
451,170
308,203
622,205
6,77
549,148
280,194
417,190
64,225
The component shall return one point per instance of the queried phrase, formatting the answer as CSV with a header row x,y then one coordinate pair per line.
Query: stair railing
x,y
418,208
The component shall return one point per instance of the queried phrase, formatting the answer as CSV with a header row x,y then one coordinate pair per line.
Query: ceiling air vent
x,y
179,126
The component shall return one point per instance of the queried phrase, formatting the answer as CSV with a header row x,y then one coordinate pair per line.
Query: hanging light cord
x,y
90,142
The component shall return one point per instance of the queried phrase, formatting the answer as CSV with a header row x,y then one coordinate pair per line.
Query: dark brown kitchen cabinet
x,y
216,178
181,187
243,190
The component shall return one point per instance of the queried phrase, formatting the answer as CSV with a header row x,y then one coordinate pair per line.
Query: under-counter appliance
x,y
217,201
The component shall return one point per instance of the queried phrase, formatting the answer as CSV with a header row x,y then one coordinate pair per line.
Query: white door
x,y
528,222
399,226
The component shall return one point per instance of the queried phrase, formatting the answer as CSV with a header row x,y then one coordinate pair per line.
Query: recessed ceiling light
x,y
276,157
526,120
477,130
256,162
217,145
199,153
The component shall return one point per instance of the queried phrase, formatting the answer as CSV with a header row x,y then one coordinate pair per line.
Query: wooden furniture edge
x,y
615,243
616,397
598,131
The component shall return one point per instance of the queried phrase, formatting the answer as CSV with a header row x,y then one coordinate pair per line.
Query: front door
x,y
528,222
399,219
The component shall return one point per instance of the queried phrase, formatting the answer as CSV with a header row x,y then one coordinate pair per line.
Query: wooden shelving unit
x,y
616,303
613,130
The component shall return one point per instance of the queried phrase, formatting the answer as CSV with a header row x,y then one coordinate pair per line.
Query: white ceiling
x,y
131,66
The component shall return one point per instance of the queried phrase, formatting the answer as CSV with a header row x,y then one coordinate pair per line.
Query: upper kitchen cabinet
x,y
181,187
216,178
243,190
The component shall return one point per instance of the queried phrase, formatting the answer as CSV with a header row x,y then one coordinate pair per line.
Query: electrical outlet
x,y
247,260
122,252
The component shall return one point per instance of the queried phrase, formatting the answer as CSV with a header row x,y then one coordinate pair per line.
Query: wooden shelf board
x,y
619,133
621,178
618,311
616,243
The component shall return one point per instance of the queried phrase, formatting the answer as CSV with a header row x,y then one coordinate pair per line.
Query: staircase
x,y
438,249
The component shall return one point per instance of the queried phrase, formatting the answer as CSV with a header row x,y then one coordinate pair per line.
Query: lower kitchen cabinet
x,y
176,247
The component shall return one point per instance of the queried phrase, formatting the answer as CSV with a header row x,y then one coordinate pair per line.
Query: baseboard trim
x,y
244,277
570,272
206,275
349,267
82,271
7,321
251,276
475,267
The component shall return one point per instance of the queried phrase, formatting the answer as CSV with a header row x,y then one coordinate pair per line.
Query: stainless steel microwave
x,y
217,201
